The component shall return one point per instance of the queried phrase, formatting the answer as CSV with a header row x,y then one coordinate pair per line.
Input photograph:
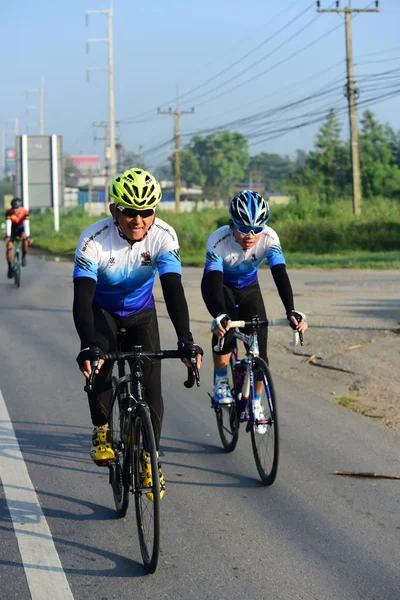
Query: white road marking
x,y
43,569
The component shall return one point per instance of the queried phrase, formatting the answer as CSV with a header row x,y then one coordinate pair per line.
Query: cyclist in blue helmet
x,y
230,286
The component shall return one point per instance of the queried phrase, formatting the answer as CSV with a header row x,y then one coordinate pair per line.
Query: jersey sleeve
x,y
27,227
8,224
169,258
274,252
214,261
86,262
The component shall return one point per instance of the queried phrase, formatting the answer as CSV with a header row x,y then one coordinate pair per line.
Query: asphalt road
x,y
311,536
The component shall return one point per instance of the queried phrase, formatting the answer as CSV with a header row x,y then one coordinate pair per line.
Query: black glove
x,y
92,353
189,349
298,317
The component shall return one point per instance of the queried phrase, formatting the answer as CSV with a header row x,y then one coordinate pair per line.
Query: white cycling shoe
x,y
222,392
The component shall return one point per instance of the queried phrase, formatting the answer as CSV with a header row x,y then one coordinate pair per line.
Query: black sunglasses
x,y
134,212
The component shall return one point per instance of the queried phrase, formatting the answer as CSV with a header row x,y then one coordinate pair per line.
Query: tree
x,y
380,174
271,169
330,159
163,172
301,158
190,166
131,159
220,160
6,187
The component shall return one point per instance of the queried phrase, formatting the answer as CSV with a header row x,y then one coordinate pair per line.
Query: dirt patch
x,y
363,377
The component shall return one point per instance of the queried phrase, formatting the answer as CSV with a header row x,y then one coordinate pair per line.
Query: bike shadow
x,y
28,513
171,447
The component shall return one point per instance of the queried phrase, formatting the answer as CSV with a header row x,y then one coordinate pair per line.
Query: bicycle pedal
x,y
103,463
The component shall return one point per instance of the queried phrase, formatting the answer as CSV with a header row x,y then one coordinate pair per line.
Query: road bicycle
x,y
246,375
132,434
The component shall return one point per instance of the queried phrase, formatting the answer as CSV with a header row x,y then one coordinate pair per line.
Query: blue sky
x,y
161,45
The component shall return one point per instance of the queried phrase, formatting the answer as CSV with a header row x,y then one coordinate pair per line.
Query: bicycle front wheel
x,y
17,270
263,425
227,420
146,489
119,468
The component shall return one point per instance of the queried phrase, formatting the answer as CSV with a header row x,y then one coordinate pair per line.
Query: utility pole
x,y
107,164
106,157
176,114
351,93
40,108
110,152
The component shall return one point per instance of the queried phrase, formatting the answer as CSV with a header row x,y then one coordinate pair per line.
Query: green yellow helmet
x,y
136,188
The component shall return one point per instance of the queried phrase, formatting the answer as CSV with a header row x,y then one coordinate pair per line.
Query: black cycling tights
x,y
141,329
243,304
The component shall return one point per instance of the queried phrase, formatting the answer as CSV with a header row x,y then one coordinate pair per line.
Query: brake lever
x,y
193,375
90,382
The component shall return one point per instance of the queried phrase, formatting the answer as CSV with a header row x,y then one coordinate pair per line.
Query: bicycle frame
x,y
247,390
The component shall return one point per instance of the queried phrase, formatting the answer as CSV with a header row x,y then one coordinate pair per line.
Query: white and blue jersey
x,y
239,265
125,273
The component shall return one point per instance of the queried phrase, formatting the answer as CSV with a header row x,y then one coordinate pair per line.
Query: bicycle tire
x,y
17,269
227,418
147,509
265,445
119,467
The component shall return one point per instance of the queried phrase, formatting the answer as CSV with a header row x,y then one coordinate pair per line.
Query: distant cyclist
x,y
230,285
17,225
116,262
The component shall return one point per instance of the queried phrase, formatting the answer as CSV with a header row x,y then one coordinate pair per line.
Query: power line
x,y
249,54
275,134
269,69
233,64
270,112
177,156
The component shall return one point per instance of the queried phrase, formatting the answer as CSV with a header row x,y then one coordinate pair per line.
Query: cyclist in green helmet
x,y
116,261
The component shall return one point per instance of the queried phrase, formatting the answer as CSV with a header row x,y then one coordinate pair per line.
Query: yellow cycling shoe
x,y
102,451
146,477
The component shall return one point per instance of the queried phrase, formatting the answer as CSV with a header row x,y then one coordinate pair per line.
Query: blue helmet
x,y
249,208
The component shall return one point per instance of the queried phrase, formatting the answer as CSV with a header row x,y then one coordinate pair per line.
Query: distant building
x,y
86,163
168,192
272,197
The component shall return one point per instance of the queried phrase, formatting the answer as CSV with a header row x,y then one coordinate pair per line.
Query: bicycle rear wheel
x,y
227,419
119,467
147,498
264,432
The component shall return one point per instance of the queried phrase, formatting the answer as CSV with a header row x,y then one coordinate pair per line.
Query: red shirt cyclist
x,y
17,225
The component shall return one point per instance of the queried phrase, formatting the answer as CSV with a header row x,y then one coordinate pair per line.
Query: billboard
x,y
39,175
10,161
